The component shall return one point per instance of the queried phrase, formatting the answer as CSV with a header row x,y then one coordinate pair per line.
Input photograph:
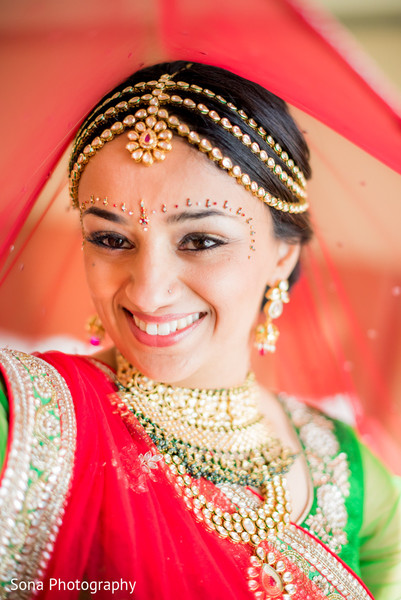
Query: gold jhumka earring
x,y
95,329
267,333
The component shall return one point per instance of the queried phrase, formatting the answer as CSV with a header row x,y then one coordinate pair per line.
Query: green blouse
x,y
3,421
372,542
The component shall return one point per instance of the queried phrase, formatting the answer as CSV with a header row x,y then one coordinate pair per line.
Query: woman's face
x,y
178,281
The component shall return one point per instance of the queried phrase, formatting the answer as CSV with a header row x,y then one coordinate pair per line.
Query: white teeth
x,y
167,327
163,329
151,328
181,323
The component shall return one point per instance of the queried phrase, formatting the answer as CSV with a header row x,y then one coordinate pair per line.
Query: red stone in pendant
x,y
271,581
148,139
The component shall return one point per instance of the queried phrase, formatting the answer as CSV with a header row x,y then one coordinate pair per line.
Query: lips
x,y
166,327
164,330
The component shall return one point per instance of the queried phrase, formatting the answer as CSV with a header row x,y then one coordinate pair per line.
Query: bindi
x,y
143,219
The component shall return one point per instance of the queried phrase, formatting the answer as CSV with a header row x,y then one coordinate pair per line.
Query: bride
x,y
190,184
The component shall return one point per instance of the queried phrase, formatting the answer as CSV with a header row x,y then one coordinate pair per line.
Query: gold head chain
x,y
150,133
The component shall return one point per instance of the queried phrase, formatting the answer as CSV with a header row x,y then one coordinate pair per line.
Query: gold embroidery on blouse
x,y
330,474
321,566
38,471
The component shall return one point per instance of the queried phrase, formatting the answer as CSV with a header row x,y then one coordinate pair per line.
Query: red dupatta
x,y
125,522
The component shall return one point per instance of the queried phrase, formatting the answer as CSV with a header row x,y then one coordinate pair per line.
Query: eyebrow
x,y
105,214
187,215
191,215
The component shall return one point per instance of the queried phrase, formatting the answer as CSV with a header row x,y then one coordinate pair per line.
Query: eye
x,y
114,241
198,242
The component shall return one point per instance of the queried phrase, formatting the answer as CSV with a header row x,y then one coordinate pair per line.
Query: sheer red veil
x,y
340,335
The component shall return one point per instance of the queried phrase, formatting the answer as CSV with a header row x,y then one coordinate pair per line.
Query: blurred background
x,y
376,27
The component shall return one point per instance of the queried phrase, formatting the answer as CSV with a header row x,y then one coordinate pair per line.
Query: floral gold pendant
x,y
150,140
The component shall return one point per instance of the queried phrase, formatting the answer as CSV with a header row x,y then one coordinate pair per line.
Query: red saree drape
x,y
123,521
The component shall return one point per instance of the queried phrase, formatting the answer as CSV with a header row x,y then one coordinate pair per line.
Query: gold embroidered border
x,y
313,556
38,471
330,473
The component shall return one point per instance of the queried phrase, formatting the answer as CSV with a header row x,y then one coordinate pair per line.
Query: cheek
x,y
233,288
103,277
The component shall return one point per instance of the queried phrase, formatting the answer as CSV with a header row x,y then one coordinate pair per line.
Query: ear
x,y
287,258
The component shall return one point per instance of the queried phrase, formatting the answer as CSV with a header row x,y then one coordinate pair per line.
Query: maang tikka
x,y
267,333
142,111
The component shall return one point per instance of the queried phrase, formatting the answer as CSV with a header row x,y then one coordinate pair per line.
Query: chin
x,y
164,368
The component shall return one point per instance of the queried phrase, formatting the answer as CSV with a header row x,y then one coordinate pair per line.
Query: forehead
x,y
185,173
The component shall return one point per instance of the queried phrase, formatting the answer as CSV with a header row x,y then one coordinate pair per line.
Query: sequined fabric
x,y
38,469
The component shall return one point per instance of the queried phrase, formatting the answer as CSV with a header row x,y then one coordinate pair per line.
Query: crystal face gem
x,y
249,525
143,219
275,309
271,581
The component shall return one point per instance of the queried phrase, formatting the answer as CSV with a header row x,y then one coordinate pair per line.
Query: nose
x,y
152,278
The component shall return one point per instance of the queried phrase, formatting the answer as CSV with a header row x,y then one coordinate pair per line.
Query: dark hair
x,y
268,110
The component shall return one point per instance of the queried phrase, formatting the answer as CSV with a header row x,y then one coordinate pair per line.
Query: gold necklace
x,y
240,496
217,434
248,524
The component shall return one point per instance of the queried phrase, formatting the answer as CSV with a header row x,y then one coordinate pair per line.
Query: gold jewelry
x,y
150,139
152,134
239,495
245,525
217,434
95,329
267,334
248,524
252,522
166,81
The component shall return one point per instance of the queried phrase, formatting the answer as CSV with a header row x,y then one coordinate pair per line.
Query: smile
x,y
166,327
165,330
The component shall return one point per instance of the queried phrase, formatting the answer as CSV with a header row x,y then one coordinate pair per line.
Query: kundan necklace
x,y
217,434
222,436
226,426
